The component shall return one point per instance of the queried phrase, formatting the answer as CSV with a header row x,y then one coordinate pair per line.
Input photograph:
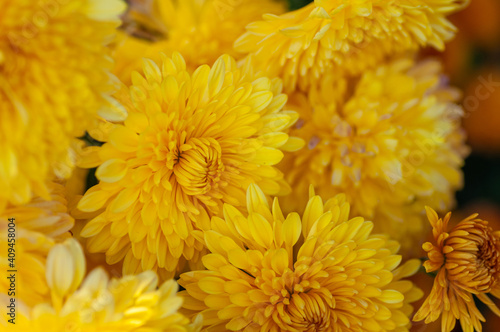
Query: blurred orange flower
x,y
480,22
482,111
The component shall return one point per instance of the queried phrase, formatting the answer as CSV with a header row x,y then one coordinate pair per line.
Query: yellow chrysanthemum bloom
x,y
54,79
344,36
201,30
325,272
390,141
75,188
468,263
190,143
37,226
96,303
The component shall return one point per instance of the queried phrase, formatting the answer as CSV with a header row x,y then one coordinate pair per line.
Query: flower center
x,y
199,167
309,312
474,259
487,263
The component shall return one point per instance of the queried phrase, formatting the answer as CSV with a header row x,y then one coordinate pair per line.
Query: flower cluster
x,y
195,119
190,143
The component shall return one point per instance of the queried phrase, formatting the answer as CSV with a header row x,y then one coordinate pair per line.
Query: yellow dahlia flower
x,y
37,226
467,261
96,303
201,30
190,143
325,272
390,141
54,79
344,35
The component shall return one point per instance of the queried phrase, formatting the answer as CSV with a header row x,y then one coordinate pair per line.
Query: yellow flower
x,y
96,303
54,79
467,260
75,188
348,35
325,272
201,30
38,225
189,144
390,141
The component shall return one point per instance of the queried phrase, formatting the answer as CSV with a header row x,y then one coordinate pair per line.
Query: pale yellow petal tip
x,y
65,267
341,199
179,60
148,280
78,257
292,228
293,144
225,59
432,215
255,197
253,188
112,110
151,71
312,193
412,266
196,324
92,201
